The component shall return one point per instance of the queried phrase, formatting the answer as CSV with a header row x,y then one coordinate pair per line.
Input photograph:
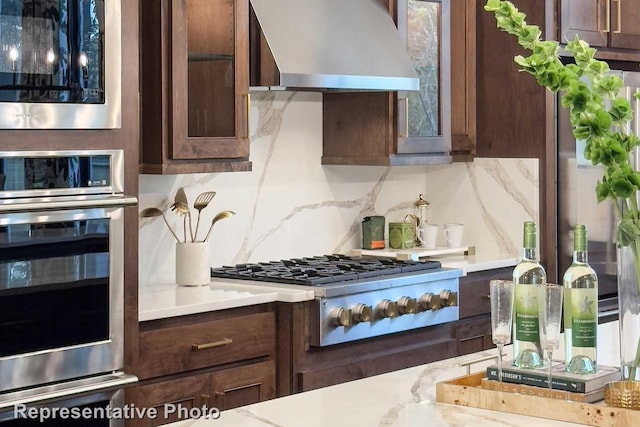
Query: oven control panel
x,y
362,315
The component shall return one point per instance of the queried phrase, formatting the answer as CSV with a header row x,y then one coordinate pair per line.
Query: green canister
x,y
373,232
402,235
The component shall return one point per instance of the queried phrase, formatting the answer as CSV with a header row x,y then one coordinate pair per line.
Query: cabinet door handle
x,y
223,341
247,113
619,30
403,104
607,17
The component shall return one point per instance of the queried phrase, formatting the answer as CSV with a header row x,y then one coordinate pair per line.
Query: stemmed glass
x,y
549,317
502,295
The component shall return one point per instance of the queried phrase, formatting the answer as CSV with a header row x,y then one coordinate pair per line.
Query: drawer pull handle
x,y
224,341
486,296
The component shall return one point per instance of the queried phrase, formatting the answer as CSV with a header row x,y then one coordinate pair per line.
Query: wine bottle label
x,y
526,313
584,317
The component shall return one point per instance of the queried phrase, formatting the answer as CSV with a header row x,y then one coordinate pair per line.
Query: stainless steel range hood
x,y
328,45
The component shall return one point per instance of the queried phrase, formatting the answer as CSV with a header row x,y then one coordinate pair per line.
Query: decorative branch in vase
x,y
601,118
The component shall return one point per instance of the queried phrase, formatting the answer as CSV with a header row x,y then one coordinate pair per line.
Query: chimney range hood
x,y
346,45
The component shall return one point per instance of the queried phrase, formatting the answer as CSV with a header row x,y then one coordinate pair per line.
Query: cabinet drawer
x,y
474,291
474,298
182,348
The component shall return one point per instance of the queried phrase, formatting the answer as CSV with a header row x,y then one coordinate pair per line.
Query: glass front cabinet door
x,y
194,61
424,116
209,78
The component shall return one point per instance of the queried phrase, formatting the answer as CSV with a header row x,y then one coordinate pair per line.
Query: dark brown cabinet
x,y
199,394
190,392
221,360
473,330
511,106
241,386
601,23
302,367
408,128
194,86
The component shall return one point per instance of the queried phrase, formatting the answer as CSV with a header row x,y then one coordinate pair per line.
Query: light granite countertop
x,y
404,398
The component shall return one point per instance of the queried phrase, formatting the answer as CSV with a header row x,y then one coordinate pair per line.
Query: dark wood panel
x,y
474,335
190,392
463,79
586,19
357,126
170,349
473,297
211,166
625,25
245,385
510,104
401,358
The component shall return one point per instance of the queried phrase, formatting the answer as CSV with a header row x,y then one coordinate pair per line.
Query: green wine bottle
x,y
580,308
527,352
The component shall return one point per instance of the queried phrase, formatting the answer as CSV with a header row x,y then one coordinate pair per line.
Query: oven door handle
x,y
63,390
69,204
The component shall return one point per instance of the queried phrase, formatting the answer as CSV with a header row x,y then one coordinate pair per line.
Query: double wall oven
x,y
61,277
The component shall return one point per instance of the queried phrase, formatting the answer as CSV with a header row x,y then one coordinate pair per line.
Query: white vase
x,y
192,264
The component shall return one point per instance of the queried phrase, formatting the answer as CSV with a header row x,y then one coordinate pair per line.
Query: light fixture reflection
x,y
13,57
51,56
83,59
13,54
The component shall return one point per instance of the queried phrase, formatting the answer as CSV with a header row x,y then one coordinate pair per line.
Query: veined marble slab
x,y
170,300
291,205
404,398
478,262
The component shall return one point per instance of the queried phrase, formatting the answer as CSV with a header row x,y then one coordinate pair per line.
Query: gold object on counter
x,y
623,394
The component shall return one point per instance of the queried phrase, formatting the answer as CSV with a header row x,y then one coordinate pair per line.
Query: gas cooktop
x,y
321,270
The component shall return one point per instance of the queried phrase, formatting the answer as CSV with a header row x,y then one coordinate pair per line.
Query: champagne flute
x,y
502,295
549,317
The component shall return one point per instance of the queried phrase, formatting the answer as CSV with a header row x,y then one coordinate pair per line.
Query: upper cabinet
x,y
400,128
194,86
601,23
424,116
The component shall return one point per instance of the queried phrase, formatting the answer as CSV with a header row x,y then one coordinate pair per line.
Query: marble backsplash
x,y
291,206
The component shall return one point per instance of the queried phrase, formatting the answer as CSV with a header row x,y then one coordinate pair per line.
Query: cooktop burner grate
x,y
320,270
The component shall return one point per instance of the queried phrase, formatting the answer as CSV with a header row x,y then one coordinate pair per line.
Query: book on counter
x,y
560,378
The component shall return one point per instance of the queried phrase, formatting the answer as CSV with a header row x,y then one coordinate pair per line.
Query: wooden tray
x,y
468,391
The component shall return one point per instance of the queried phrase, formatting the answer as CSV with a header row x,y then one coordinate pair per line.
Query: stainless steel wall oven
x,y
61,266
60,64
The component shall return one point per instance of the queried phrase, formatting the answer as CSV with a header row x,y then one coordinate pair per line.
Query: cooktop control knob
x,y
361,313
341,317
407,305
429,301
449,298
388,309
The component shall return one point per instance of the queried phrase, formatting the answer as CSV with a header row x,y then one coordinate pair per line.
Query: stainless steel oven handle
x,y
66,389
68,204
